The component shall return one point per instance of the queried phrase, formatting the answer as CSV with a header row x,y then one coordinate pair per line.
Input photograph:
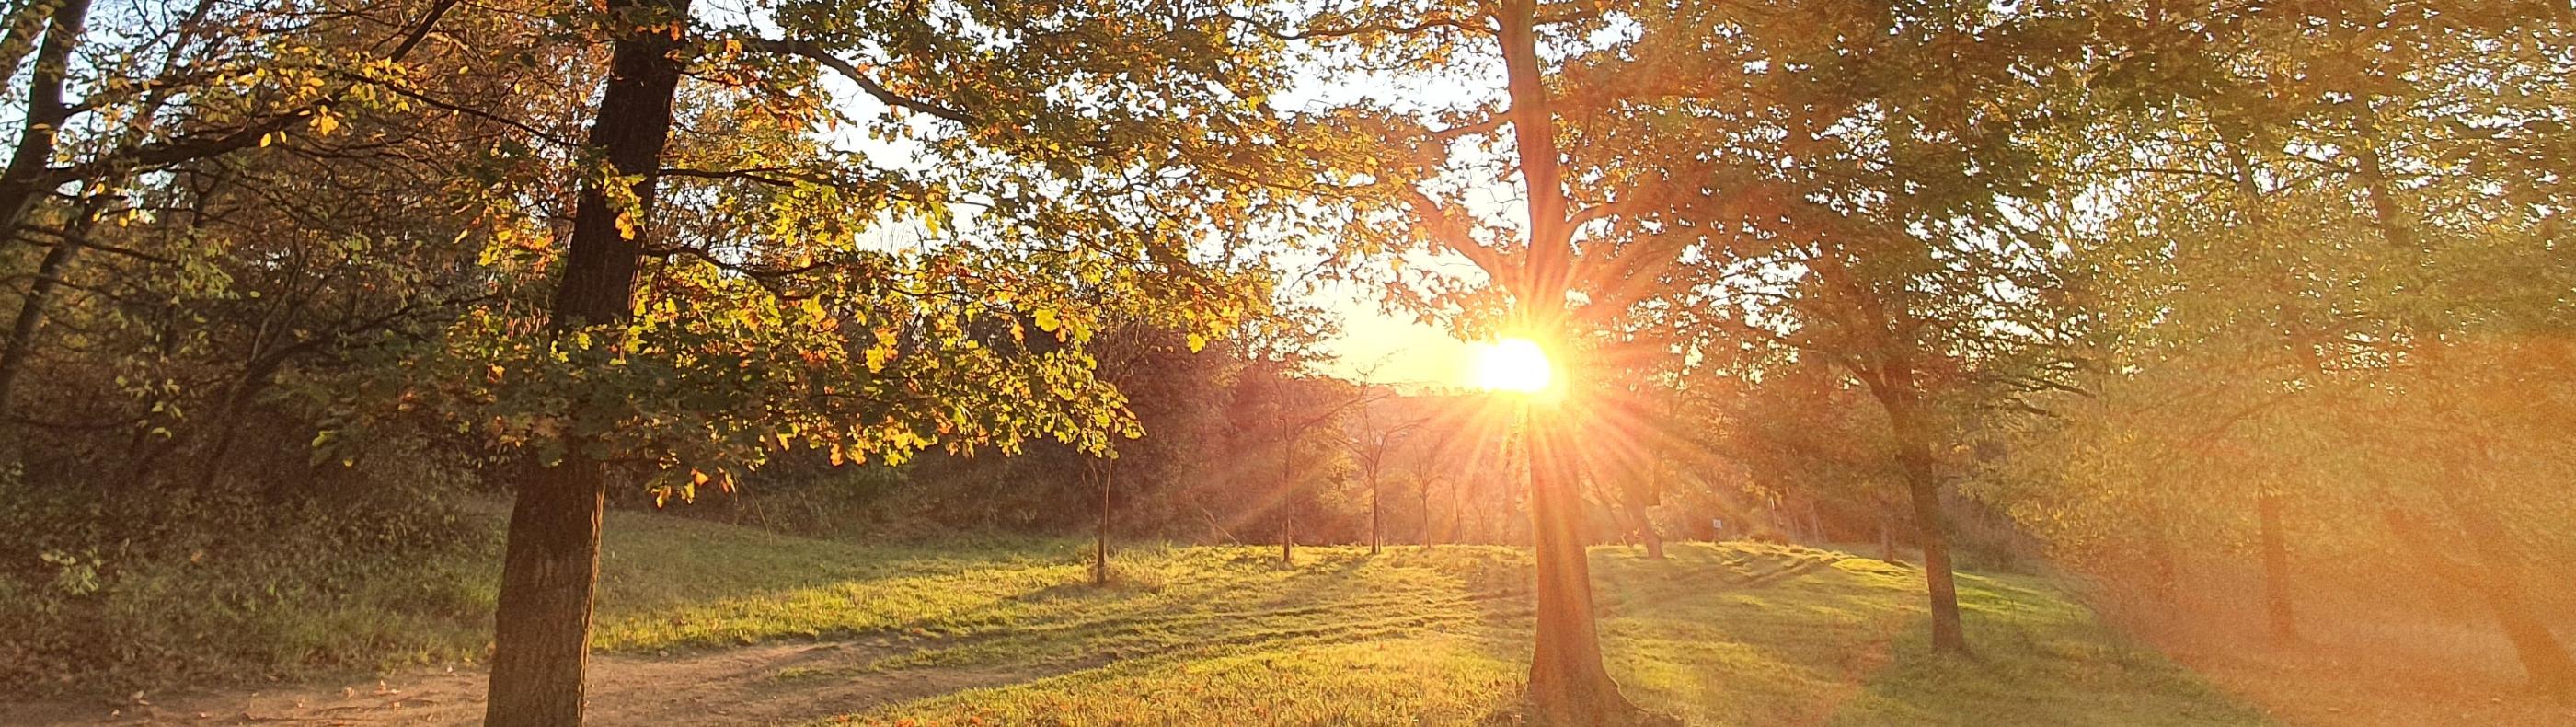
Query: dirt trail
x,y
754,685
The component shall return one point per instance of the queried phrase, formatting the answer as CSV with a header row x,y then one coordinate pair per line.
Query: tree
x,y
1854,211
541,632
764,323
2370,238
1374,439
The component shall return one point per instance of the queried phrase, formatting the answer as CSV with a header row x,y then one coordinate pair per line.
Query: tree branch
x,y
817,53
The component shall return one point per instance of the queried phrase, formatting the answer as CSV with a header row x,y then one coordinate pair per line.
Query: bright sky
x,y
1370,344
1392,349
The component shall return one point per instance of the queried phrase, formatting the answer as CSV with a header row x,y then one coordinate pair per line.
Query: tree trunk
x,y
1886,537
1645,527
1425,497
1288,535
1923,486
541,635
1373,514
1288,501
45,113
44,116
2547,662
19,36
2498,575
1100,563
1568,684
2276,569
31,309
2500,579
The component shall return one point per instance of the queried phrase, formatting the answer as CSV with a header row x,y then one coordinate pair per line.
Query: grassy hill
x,y
1011,632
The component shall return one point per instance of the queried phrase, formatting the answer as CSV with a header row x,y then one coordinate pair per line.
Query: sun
x,y
1512,364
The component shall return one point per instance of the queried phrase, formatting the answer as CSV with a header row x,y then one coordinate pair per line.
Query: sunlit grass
x,y
1750,634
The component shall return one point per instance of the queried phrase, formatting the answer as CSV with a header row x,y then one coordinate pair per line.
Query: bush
x,y
139,588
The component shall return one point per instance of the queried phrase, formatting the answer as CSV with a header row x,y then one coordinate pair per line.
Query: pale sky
x,y
1391,349
1370,344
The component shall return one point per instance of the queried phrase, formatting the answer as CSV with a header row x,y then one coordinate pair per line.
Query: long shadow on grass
x,y
2040,658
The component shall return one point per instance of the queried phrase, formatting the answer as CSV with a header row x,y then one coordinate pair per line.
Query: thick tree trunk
x,y
1923,487
2543,658
542,633
1568,684
2500,580
541,637
2498,575
45,113
2277,612
18,37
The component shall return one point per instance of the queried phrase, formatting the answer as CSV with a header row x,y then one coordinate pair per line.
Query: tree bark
x,y
1288,535
18,37
20,182
1288,501
1568,683
1425,497
541,635
2498,575
45,113
1100,563
1645,527
1373,513
1923,486
2496,582
31,309
2277,611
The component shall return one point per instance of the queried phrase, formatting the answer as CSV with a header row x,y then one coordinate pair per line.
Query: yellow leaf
x,y
1046,320
1197,342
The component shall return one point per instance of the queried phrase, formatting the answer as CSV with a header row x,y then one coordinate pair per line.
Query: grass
x,y
1732,634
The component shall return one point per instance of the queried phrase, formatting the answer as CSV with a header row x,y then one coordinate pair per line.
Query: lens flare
x,y
1512,364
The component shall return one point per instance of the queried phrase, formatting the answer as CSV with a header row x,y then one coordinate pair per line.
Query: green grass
x,y
1737,634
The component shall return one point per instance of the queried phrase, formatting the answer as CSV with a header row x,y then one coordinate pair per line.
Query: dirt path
x,y
756,685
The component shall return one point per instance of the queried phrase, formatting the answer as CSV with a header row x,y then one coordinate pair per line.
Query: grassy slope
x,y
1740,634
